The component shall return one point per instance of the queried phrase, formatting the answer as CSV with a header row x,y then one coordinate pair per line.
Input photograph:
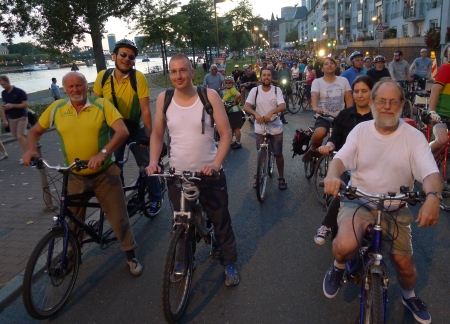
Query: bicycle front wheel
x,y
48,282
270,164
444,170
373,304
320,173
292,108
261,174
177,276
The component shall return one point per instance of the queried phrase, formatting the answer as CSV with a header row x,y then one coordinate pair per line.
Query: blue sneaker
x,y
332,281
418,308
231,275
155,207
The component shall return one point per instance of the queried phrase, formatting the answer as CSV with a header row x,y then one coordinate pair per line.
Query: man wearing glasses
x,y
128,90
421,68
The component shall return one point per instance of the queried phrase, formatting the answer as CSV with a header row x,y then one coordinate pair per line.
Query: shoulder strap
x,y
167,100
107,73
256,95
207,107
133,80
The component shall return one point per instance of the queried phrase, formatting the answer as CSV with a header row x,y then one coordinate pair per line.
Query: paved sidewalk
x,y
23,221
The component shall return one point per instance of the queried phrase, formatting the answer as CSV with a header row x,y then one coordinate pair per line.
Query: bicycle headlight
x,y
284,81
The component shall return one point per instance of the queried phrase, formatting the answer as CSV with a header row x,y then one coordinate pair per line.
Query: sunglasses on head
x,y
130,57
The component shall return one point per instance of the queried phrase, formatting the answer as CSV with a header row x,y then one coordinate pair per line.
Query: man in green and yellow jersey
x,y
83,123
128,90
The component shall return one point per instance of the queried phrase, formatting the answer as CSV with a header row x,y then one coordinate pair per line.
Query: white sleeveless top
x,y
190,150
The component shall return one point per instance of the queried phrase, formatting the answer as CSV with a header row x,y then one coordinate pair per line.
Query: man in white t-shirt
x,y
269,102
384,154
329,94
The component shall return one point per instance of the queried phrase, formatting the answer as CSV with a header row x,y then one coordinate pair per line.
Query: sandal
x,y
282,185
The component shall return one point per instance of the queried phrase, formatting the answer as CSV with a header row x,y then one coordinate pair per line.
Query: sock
x,y
130,255
339,265
408,294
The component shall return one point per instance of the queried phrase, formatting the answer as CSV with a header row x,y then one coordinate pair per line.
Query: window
x,y
434,23
405,30
387,14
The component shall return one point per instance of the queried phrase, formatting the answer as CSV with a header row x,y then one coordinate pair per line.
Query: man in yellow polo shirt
x,y
128,90
83,124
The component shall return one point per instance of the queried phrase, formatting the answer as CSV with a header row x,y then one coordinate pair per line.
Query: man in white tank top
x,y
384,154
193,151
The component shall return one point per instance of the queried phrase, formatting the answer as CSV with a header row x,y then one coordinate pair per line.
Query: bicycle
x,y
190,225
285,85
321,166
52,268
368,268
309,166
410,88
264,167
300,96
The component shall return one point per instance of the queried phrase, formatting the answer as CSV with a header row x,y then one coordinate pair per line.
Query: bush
x,y
433,38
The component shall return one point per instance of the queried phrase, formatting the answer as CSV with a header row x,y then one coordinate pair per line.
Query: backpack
x,y
132,76
256,95
300,141
207,107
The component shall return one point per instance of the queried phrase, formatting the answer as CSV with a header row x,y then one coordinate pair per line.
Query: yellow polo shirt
x,y
82,134
127,99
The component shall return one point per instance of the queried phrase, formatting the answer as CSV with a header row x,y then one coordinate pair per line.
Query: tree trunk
x,y
162,56
165,58
96,36
194,61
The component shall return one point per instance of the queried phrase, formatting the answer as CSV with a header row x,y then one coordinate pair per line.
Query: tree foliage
x,y
56,25
292,36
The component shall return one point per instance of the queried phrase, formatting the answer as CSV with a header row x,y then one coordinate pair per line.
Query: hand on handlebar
x,y
318,111
96,161
435,117
429,213
26,157
153,169
259,118
332,185
325,150
209,169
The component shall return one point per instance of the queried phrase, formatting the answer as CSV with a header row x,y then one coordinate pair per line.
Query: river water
x,y
41,80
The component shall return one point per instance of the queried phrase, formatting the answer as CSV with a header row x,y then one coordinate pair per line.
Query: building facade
x,y
4,49
111,42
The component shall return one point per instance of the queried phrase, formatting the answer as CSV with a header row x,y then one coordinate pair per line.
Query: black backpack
x,y
132,76
300,141
207,107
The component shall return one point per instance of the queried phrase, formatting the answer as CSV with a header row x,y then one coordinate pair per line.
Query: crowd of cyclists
x,y
360,93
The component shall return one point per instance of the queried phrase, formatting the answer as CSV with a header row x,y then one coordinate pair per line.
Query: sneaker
x,y
321,235
418,308
284,121
20,161
3,156
231,275
180,272
332,281
308,156
155,208
135,267
236,146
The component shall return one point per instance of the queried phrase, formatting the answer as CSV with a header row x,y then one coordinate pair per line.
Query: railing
x,y
414,12
434,4
360,6
395,15
393,42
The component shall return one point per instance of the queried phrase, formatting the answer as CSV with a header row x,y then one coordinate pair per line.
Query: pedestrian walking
x,y
56,94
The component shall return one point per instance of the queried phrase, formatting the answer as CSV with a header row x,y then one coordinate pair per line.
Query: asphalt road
x,y
282,268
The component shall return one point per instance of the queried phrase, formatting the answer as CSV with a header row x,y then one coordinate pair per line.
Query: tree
x,y
56,25
156,20
292,36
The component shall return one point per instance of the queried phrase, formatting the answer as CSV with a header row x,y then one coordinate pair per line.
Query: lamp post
x,y
217,24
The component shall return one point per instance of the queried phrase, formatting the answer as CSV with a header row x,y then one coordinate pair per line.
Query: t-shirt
x,y
442,77
16,96
351,74
252,78
331,95
228,96
82,134
377,75
55,90
399,70
285,74
382,163
422,66
236,74
295,73
310,77
213,81
302,67
127,99
265,102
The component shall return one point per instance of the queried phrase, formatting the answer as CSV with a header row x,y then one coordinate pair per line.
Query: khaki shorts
x,y
275,143
18,126
396,238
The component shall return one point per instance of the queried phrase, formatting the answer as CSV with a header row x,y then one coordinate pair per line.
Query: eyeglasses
x,y
393,103
130,57
181,71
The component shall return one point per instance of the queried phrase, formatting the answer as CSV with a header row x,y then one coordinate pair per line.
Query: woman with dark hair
x,y
344,122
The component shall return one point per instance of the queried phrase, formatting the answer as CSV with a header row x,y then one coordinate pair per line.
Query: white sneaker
x,y
21,161
135,267
3,156
321,235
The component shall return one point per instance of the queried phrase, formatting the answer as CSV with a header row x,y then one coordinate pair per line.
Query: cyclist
x,y
344,122
404,161
213,79
83,124
399,68
237,74
295,72
367,65
357,67
439,103
333,93
379,71
118,88
421,68
268,101
285,75
248,82
193,151
231,98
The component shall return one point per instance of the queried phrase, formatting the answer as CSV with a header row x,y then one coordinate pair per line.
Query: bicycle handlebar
x,y
78,164
184,175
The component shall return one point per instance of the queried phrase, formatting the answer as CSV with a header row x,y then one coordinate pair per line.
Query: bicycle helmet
x,y
355,54
367,57
125,43
379,58
229,78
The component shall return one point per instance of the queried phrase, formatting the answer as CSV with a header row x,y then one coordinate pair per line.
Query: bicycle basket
x,y
300,141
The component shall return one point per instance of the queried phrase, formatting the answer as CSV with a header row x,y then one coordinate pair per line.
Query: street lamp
x,y
373,23
217,23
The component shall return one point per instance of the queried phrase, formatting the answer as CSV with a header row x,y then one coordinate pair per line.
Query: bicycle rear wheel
x,y
320,173
261,174
47,283
373,303
444,170
176,287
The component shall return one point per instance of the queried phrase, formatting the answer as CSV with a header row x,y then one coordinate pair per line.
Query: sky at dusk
x,y
119,28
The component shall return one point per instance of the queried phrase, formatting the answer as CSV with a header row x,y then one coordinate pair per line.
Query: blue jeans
x,y
142,156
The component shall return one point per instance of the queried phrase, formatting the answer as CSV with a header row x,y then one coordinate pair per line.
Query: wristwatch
x,y
437,194
104,151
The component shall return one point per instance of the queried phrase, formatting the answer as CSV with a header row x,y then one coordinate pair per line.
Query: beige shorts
x,y
18,126
396,238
